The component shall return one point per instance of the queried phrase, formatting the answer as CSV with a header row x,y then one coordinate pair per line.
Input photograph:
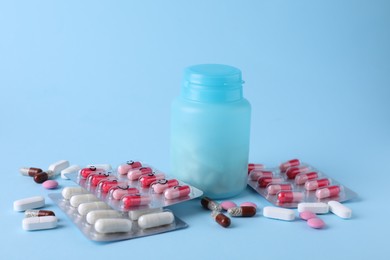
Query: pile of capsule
x,y
35,219
246,209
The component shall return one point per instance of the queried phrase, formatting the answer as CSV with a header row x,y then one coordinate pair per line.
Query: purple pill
x,y
50,184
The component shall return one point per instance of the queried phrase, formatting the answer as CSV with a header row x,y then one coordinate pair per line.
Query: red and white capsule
x,y
161,185
284,166
129,201
255,166
315,184
106,184
294,171
146,180
86,172
177,192
330,191
124,168
264,181
303,177
273,189
289,196
94,179
254,175
119,191
134,174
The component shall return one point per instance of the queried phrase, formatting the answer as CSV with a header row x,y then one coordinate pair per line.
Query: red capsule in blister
x,y
254,175
273,189
177,192
326,192
85,172
129,201
294,171
255,166
146,180
303,177
94,179
106,184
284,166
119,191
289,196
124,168
315,184
134,174
264,181
161,185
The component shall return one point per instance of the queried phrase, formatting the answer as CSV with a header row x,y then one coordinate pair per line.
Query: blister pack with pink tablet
x,y
294,182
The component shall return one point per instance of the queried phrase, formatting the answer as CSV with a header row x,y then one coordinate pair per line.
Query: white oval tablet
x,y
29,203
315,207
135,214
70,169
76,200
85,208
113,225
93,216
278,213
57,167
68,192
155,219
39,223
339,209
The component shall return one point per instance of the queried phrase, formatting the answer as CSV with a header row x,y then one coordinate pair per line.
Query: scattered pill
x,y
221,219
284,166
70,169
306,215
315,207
29,203
68,192
38,213
248,204
39,223
29,171
76,200
134,174
339,209
303,177
330,191
50,184
228,204
242,211
57,167
264,181
289,196
155,219
146,180
256,174
85,208
316,223
208,203
136,214
124,168
279,213
113,225
177,192
105,167
254,166
315,184
273,189
161,185
292,172
93,216
129,201
41,177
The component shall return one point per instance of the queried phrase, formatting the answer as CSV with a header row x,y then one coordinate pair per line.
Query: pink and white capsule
x,y
303,177
124,168
255,166
177,192
315,184
256,174
118,192
161,185
330,191
294,171
134,174
273,189
147,180
284,166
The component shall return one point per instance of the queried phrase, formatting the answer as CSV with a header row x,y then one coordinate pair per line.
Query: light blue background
x,y
92,82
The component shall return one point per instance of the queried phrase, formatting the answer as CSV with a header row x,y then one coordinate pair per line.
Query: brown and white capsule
x,y
29,171
30,213
208,203
243,211
221,219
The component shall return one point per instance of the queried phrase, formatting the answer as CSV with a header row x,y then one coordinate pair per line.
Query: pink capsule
x,y
134,174
289,196
146,180
161,185
254,175
284,166
303,177
254,166
119,191
315,184
177,192
95,178
129,201
124,168
294,171
85,172
273,189
330,191
264,181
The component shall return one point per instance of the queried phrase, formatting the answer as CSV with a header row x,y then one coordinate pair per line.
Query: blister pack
x,y
294,182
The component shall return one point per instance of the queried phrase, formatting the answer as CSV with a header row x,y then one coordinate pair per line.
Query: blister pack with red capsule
x,y
294,182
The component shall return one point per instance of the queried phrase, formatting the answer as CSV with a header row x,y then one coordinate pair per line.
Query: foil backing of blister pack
x,y
308,196
89,231
157,200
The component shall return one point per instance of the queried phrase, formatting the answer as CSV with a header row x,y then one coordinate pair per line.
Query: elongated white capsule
x,y
339,209
315,207
38,223
93,216
68,192
87,207
113,225
29,203
76,200
278,213
57,167
70,169
155,219
136,214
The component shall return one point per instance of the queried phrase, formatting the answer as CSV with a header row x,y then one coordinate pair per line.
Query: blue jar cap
x,y
212,83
